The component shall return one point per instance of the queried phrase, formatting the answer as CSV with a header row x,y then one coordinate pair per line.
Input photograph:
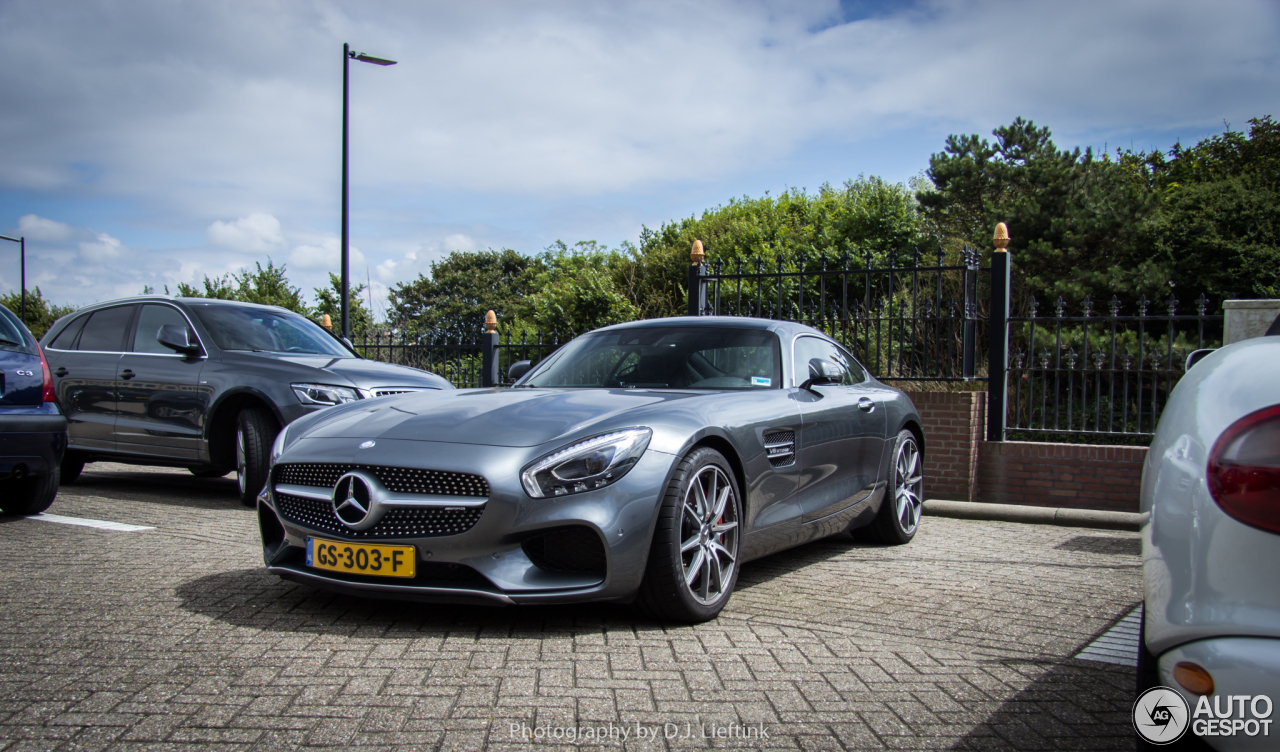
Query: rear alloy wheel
x,y
255,430
30,495
693,562
899,515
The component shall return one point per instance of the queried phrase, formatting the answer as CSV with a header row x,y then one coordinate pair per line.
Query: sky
x,y
153,143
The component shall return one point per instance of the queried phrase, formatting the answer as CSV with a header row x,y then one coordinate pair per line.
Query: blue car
x,y
33,431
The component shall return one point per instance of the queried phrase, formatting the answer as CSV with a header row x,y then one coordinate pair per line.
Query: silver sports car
x,y
643,462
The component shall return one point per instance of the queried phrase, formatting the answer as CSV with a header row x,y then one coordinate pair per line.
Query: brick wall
x,y
1077,476
954,425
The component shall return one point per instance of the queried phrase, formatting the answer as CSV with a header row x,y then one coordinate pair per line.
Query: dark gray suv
x,y
200,383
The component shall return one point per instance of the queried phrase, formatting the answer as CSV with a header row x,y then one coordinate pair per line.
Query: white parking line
x,y
103,524
1117,645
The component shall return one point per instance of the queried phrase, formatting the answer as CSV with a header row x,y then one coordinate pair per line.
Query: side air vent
x,y
780,446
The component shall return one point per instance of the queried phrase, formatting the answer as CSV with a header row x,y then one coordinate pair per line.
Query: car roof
x,y
784,328
174,299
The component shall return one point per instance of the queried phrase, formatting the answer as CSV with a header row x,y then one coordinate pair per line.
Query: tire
x,y
209,472
899,517
693,565
72,464
255,431
30,495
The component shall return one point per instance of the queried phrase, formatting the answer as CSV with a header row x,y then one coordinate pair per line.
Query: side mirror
x,y
518,369
1196,356
176,338
823,371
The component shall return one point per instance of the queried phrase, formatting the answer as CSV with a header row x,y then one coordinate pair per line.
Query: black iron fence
x,y
1091,375
465,360
1079,372
1065,373
906,317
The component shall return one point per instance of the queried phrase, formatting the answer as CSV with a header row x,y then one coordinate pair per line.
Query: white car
x,y
1211,557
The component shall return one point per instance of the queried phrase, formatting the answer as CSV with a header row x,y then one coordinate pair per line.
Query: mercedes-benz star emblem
x,y
353,500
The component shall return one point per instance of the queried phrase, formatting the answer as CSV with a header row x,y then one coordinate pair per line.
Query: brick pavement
x,y
174,638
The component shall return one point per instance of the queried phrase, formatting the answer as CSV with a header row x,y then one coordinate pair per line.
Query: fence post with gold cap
x,y
697,288
489,351
998,354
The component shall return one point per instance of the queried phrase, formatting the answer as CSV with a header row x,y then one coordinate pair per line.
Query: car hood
x,y
358,371
491,417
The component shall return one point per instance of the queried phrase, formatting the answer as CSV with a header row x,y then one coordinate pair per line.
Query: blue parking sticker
x,y
760,381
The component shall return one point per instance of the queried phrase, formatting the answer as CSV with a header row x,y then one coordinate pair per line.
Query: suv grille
x,y
396,523
396,479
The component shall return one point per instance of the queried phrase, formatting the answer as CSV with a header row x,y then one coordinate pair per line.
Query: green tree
x,y
40,312
461,288
267,286
329,300
1217,228
1075,220
867,215
577,288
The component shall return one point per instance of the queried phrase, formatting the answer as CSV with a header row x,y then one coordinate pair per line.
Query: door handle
x,y
62,371
126,374
865,404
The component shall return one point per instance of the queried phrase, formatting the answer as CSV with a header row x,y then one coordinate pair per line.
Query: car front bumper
x,y
491,562
1241,667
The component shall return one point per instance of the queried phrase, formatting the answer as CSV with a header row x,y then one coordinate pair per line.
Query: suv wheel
x,y
255,431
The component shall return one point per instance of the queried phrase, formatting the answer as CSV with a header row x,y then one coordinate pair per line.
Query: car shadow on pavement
x,y
1076,704
178,488
257,599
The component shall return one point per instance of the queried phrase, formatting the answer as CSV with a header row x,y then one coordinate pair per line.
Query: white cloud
x,y
514,123
324,255
39,228
256,233
102,248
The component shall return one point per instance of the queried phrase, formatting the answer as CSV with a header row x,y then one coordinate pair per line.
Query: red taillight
x,y
48,377
1244,469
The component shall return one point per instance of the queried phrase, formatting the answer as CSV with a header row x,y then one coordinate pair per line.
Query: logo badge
x,y
368,444
355,501
1160,715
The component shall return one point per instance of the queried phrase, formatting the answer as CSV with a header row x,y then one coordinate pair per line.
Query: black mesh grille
x,y
576,550
397,479
396,523
780,446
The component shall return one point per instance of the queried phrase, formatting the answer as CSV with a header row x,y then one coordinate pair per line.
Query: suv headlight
x,y
586,465
323,394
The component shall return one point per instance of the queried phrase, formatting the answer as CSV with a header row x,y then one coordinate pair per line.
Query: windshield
x,y
261,330
664,358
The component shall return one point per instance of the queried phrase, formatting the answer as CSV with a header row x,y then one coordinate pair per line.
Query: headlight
x,y
323,394
587,465
277,448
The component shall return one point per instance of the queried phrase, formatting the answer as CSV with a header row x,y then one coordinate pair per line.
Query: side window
x,y
809,349
66,339
105,329
149,322
857,374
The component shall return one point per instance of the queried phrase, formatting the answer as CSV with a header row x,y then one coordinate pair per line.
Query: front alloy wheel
x,y
709,528
693,560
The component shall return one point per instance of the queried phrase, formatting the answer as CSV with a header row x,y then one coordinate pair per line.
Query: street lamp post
x,y
22,256
347,55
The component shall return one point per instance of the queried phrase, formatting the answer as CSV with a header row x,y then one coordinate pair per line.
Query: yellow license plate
x,y
361,558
